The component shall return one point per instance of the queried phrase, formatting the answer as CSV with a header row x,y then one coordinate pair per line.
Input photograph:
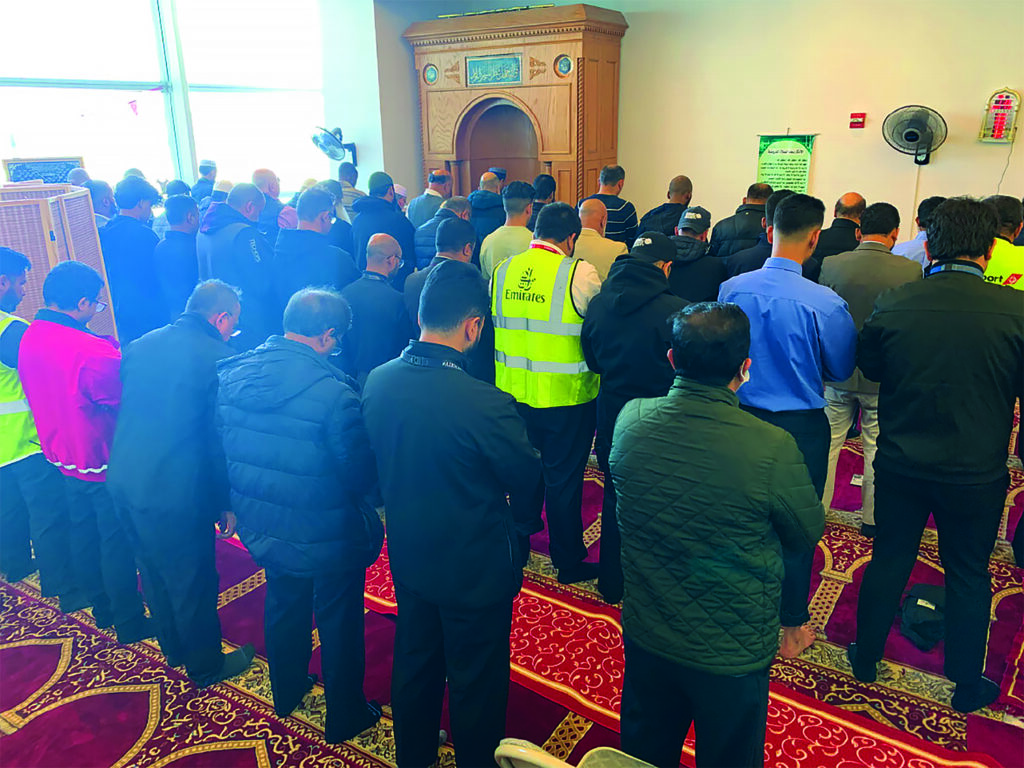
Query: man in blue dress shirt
x,y
801,335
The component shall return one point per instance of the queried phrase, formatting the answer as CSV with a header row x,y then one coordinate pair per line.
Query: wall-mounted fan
x,y
915,130
332,144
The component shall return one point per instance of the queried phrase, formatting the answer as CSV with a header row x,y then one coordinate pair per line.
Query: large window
x,y
158,85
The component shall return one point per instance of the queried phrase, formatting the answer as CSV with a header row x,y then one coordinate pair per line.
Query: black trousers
x,y
336,598
101,555
660,699
609,579
967,519
469,646
813,436
15,540
176,557
563,436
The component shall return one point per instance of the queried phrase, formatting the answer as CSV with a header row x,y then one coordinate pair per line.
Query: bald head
x,y
247,200
78,177
267,182
680,190
593,214
850,206
490,182
383,254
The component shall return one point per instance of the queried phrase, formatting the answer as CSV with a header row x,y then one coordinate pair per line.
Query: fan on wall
x,y
915,130
332,144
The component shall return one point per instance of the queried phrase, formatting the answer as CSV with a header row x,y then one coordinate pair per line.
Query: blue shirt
x,y
801,335
914,250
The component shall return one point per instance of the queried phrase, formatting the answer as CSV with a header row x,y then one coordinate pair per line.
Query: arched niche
x,y
496,132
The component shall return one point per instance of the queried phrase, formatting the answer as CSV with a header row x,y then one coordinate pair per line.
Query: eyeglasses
x,y
100,306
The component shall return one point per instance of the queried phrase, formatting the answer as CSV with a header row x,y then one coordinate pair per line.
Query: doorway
x,y
499,134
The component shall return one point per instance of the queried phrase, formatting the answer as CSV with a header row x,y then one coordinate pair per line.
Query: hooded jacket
x,y
299,461
487,212
626,336
375,215
426,237
128,248
231,249
695,275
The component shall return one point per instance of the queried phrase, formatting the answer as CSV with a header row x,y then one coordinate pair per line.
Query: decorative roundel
x,y
563,66
430,74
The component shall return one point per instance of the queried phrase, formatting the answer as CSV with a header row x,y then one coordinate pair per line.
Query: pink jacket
x,y
72,383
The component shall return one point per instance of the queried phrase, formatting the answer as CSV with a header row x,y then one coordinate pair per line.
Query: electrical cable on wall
x,y
1006,167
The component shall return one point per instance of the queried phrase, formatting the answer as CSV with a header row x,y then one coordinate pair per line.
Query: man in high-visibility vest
x,y
538,300
32,500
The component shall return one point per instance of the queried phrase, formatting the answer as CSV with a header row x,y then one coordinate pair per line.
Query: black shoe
x,y
610,593
867,530
102,616
866,672
373,713
135,630
285,710
71,602
577,573
232,664
967,698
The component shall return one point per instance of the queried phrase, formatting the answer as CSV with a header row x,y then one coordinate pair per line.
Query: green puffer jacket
x,y
706,493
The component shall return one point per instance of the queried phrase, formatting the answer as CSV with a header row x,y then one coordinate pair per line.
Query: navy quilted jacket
x,y
707,497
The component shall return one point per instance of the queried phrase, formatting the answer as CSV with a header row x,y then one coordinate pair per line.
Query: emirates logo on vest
x,y
525,289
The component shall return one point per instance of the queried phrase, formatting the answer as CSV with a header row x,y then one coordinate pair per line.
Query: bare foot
x,y
795,640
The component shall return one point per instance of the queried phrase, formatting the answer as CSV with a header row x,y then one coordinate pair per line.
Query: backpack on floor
x,y
923,618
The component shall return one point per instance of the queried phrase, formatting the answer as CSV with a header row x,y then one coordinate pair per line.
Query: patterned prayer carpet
x,y
70,696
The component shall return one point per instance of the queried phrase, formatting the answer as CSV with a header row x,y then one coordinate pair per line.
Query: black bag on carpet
x,y
923,619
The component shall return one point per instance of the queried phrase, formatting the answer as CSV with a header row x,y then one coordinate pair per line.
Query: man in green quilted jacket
x,y
708,495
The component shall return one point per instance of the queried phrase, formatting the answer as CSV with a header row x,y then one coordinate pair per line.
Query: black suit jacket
x,y
839,238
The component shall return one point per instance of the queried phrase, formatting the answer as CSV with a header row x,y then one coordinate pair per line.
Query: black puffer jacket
x,y
664,219
426,237
738,231
376,215
299,460
487,212
695,275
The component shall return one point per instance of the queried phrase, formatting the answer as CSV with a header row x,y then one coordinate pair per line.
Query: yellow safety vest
x,y
18,437
537,354
1006,267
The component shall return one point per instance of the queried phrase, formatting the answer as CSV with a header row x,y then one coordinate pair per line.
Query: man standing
x,y
914,249
70,377
169,480
32,504
702,549
439,188
801,336
539,299
512,237
232,249
175,257
103,204
695,275
455,241
592,246
622,224
944,424
756,255
268,182
543,193
426,234
128,245
486,206
739,231
859,277
1006,267
299,466
348,176
381,327
467,449
379,214
625,340
665,218
305,257
203,187
842,236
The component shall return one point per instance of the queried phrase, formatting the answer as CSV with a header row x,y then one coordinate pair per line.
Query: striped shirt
x,y
622,220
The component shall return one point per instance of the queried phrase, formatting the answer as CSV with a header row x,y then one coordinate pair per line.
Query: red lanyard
x,y
545,247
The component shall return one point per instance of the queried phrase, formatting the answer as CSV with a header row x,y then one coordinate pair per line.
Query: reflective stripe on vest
x,y
18,437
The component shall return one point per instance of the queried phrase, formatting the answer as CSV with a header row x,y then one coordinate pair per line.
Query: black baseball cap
x,y
652,247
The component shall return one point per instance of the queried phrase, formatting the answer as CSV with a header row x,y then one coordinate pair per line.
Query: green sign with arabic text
x,y
785,161
494,70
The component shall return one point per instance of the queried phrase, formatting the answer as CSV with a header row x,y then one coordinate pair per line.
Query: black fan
x,y
915,130
332,145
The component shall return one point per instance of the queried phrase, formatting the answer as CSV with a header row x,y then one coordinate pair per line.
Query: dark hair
x,y
331,187
132,190
1008,210
97,190
556,221
177,207
453,292
211,297
13,263
961,227
516,196
69,282
879,219
348,171
612,174
772,203
177,187
454,234
313,202
205,169
543,186
926,208
857,209
439,176
759,191
710,341
312,311
137,173
798,214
